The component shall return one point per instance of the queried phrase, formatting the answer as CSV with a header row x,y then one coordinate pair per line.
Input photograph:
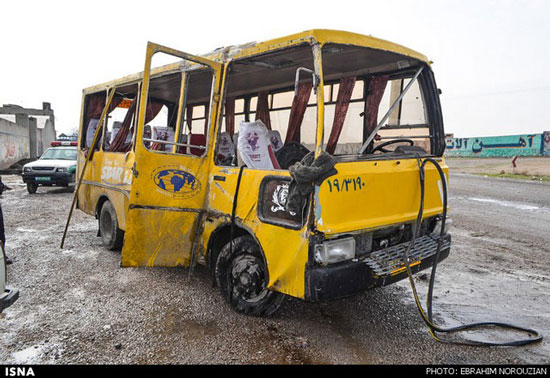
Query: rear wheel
x,y
241,275
111,236
32,187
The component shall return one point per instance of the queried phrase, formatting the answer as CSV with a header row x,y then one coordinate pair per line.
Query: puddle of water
x,y
175,321
28,355
21,229
515,205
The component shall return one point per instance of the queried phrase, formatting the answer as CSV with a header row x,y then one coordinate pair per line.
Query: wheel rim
x,y
247,276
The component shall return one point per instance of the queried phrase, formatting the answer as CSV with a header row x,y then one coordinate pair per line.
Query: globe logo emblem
x,y
177,182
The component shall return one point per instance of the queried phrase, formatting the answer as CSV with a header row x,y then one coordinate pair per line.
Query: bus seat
x,y
197,140
147,134
116,128
226,148
163,133
254,148
275,140
90,131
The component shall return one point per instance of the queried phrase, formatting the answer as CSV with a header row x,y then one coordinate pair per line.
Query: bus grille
x,y
389,261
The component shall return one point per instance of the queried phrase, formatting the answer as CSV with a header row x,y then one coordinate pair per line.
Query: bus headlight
x,y
437,229
334,251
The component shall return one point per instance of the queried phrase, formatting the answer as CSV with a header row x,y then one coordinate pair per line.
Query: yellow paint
x,y
160,222
160,225
108,175
374,194
395,272
285,250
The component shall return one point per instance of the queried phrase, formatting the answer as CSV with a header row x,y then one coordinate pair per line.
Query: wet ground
x,y
77,306
524,165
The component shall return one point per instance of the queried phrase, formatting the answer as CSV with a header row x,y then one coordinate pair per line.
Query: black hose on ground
x,y
534,336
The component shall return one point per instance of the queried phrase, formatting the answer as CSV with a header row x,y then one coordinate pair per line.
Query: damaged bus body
x,y
194,154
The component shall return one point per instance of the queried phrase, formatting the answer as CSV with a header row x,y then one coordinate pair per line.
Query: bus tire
x,y
32,187
241,275
111,236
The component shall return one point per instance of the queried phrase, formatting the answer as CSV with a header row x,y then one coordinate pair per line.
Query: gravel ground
x,y
78,306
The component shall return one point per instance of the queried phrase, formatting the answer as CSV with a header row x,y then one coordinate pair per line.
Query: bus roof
x,y
326,36
321,36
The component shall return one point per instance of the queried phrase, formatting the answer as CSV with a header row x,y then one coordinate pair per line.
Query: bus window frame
x,y
189,64
106,121
316,55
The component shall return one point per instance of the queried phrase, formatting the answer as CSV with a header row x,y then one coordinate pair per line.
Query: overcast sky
x,y
491,58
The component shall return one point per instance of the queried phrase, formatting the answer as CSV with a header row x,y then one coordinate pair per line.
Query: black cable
x,y
233,211
534,335
232,224
235,198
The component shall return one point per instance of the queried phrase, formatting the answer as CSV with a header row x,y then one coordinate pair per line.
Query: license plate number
x,y
42,179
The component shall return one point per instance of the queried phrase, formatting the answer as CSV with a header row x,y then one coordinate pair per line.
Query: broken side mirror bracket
x,y
316,79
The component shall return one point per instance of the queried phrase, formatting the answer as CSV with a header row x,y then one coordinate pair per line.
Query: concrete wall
x,y
14,143
500,146
45,136
22,136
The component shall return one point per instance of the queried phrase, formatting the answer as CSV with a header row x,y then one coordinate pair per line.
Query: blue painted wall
x,y
546,143
500,146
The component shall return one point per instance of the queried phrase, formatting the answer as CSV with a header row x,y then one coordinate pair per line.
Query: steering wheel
x,y
381,146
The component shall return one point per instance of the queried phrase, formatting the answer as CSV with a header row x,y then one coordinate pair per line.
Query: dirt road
x,y
77,305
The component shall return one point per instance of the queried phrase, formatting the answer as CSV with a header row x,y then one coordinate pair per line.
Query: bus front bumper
x,y
380,268
52,178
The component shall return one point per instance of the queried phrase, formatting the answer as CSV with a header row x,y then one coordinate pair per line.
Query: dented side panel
x,y
285,250
163,210
169,190
165,237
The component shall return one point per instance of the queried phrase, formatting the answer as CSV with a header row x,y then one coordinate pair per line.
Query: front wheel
x,y
111,236
241,275
32,187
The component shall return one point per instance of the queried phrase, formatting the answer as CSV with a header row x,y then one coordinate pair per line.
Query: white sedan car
x,y
56,166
